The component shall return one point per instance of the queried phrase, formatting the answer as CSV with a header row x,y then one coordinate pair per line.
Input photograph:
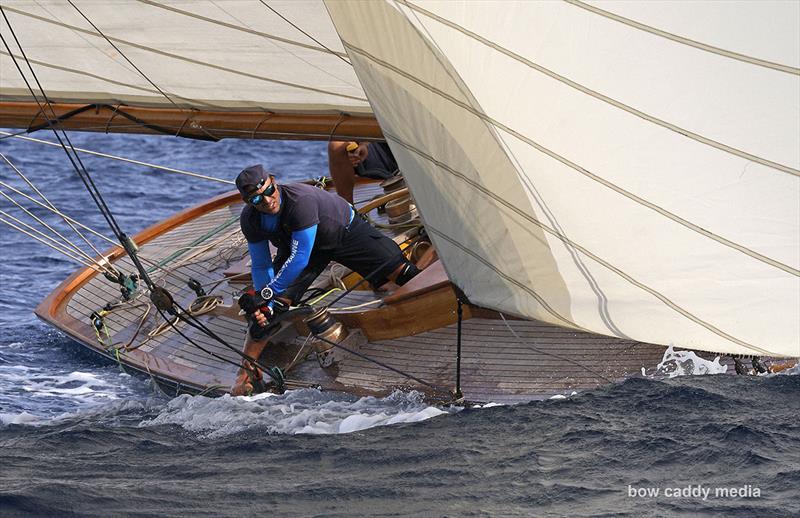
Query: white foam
x,y
21,418
686,363
564,396
303,411
794,371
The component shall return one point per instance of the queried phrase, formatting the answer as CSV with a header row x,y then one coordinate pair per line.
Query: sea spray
x,y
304,411
686,363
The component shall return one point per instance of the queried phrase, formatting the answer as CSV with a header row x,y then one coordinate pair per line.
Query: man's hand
x,y
243,386
357,155
261,318
256,311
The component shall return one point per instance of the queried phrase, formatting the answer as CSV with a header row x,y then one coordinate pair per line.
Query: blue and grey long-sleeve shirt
x,y
309,219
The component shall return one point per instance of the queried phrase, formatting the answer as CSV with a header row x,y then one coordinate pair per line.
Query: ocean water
x,y
78,437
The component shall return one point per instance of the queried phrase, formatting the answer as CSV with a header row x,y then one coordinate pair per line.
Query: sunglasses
x,y
258,198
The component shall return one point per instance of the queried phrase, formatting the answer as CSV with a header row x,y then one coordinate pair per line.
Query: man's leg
x,y
366,251
252,348
341,169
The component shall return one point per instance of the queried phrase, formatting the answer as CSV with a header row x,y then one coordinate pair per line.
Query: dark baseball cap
x,y
250,177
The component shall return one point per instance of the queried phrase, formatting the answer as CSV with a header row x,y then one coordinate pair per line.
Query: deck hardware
x,y
196,287
324,326
740,368
759,366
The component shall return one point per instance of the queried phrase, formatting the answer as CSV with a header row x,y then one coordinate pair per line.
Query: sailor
x,y
309,227
348,159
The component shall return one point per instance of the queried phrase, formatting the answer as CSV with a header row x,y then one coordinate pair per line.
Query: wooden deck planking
x,y
498,364
97,291
489,374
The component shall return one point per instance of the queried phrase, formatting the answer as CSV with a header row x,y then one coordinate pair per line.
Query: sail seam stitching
x,y
187,59
243,29
597,95
507,277
677,219
686,41
669,303
107,80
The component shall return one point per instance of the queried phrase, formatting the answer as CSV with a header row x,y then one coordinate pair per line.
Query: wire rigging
x,y
48,202
315,40
121,159
162,300
162,92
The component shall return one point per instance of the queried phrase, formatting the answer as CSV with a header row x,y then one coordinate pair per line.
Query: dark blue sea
x,y
78,437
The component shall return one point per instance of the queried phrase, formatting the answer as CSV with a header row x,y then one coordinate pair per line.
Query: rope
x,y
358,306
199,306
107,343
296,356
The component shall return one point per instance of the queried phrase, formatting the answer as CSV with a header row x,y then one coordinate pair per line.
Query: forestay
x,y
625,168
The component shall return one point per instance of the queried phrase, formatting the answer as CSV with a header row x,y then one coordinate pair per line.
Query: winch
x,y
323,325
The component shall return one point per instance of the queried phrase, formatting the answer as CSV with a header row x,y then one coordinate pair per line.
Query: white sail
x,y
198,54
625,168
628,168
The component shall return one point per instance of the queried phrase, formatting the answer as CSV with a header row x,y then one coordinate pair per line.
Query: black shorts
x,y
363,249
379,164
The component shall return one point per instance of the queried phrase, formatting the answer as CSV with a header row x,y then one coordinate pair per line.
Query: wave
x,y
304,411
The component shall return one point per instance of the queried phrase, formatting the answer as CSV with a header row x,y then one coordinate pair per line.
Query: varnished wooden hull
x,y
413,331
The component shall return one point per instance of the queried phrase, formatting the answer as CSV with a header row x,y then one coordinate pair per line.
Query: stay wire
x,y
312,38
162,92
75,248
197,324
123,159
436,388
52,127
49,203
144,259
59,213
82,172
59,249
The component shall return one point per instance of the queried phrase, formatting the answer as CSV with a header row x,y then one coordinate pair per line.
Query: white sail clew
x,y
625,168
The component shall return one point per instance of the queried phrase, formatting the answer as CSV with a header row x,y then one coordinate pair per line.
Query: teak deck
x,y
412,330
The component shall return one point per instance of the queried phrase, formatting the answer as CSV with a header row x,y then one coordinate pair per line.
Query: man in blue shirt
x,y
309,227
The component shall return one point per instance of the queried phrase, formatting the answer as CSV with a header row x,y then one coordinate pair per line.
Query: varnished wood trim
x,y
430,279
377,202
431,310
197,123
53,308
